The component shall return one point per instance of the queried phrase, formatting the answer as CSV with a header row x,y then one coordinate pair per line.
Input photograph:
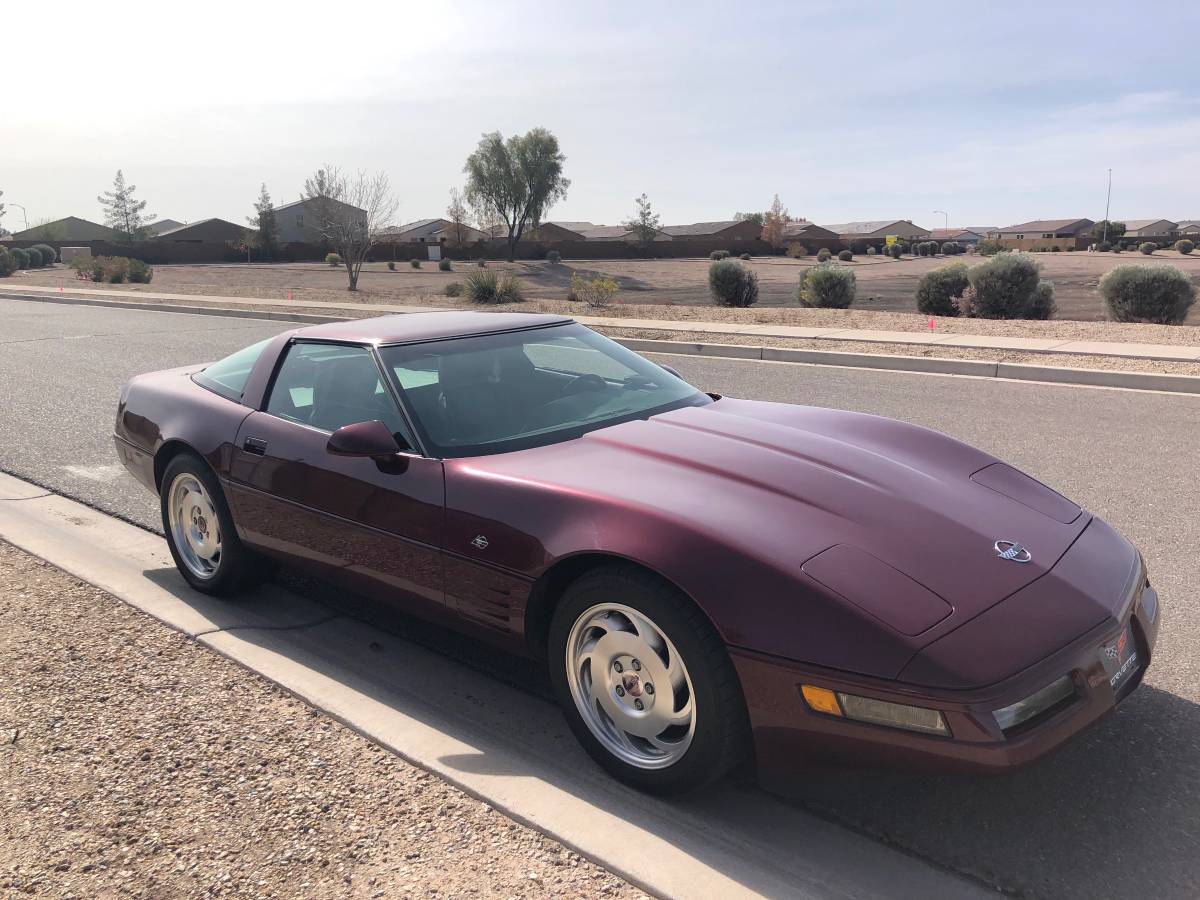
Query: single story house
x,y
1047,228
550,232
72,228
298,220
800,229
969,235
728,229
1188,226
879,230
618,233
205,231
432,231
1151,229
158,226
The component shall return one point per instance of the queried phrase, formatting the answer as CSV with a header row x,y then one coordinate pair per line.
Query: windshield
x,y
500,392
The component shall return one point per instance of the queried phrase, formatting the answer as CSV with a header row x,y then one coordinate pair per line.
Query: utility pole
x,y
946,214
23,214
1107,201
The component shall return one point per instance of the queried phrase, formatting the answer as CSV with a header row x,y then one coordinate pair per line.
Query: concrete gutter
x,y
507,748
1144,381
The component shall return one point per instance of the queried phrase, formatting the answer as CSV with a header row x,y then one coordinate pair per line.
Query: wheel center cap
x,y
632,684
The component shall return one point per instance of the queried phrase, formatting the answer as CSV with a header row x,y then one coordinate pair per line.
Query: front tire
x,y
645,682
200,530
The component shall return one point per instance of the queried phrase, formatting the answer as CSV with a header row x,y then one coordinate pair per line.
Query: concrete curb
x,y
508,749
1140,381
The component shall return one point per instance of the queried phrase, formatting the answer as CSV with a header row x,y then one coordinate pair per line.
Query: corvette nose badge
x,y
1013,552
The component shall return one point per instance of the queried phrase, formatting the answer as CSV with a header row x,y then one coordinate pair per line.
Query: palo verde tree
x,y
349,211
265,224
645,223
518,179
774,221
123,213
755,217
456,213
1111,233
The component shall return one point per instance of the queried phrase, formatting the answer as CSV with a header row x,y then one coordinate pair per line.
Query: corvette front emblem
x,y
1013,552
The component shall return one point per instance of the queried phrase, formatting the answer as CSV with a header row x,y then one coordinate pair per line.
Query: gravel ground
x,y
135,763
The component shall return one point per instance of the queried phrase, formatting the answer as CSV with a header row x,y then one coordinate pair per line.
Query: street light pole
x,y
1107,201
946,214
23,214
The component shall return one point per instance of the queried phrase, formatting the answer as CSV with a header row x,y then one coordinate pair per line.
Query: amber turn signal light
x,y
821,700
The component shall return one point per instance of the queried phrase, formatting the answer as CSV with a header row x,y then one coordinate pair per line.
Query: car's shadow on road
x,y
1129,807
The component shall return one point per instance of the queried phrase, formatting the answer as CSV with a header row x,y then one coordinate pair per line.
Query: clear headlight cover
x,y
894,715
1023,710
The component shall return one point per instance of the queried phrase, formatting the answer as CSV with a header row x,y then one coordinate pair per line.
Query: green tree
x,y
123,213
1115,230
267,237
755,217
518,179
645,223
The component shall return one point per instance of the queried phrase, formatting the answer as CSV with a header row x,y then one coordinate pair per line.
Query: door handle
x,y
257,446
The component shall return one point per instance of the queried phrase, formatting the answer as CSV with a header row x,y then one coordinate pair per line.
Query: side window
x,y
331,385
228,376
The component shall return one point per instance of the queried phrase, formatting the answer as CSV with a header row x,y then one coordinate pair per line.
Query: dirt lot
x,y
136,763
884,285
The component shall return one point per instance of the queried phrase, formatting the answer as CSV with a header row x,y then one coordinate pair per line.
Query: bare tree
x,y
350,211
456,212
774,221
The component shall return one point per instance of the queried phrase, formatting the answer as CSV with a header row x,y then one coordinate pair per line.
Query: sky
x,y
995,114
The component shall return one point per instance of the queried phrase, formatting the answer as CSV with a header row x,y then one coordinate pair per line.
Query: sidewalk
x,y
1048,346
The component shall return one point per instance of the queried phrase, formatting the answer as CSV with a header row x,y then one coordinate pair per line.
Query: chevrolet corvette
x,y
707,580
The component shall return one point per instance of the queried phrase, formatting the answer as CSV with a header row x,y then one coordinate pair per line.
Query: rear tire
x,y
645,682
200,530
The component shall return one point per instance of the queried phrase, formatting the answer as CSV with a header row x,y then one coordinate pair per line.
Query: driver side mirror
x,y
670,369
367,439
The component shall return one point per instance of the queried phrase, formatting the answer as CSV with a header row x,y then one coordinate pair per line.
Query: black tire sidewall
x,y
231,571
719,707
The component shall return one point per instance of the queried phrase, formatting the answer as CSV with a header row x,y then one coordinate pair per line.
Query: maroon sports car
x,y
703,575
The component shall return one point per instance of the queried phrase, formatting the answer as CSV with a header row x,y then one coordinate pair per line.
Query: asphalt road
x,y
1114,813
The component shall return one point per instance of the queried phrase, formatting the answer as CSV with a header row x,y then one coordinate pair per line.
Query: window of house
x,y
1047,235
299,221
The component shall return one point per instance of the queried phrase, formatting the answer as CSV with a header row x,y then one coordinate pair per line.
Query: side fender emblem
x,y
480,542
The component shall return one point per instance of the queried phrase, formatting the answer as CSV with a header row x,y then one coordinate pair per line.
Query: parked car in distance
x,y
707,578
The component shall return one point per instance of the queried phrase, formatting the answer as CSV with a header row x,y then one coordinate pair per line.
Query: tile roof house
x,y
802,228
72,228
1150,228
1189,226
158,226
878,229
297,220
204,231
969,235
1048,228
432,231
728,229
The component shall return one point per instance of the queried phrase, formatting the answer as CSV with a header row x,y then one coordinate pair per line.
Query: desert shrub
x,y
871,251
732,284
1116,248
391,265
951,248
490,287
333,259
1185,246
938,289
904,246
482,263
415,263
989,247
828,287
718,254
444,265
553,257
453,289
894,250
1009,286
8,263
114,269
1147,248
139,272
1104,246
797,251
823,255
595,292
1056,249
21,255
845,255
1159,294
49,255
745,257
35,257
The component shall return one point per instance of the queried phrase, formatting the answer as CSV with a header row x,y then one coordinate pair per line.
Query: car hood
x,y
843,499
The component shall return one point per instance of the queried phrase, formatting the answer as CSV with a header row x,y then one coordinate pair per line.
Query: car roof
x,y
426,326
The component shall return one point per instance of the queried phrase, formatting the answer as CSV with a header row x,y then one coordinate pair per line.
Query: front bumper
x,y
788,734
